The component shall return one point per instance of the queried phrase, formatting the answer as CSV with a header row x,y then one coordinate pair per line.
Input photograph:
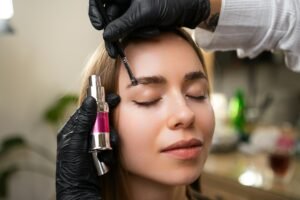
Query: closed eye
x,y
147,103
198,98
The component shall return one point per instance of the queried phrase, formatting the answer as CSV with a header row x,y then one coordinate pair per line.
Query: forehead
x,y
168,55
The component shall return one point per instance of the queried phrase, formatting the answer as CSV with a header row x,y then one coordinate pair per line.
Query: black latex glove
x,y
76,175
150,15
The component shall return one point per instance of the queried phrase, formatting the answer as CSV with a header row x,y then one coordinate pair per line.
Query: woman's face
x,y
166,122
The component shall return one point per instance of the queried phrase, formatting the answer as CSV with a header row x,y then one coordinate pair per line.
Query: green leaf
x,y
11,143
4,178
55,113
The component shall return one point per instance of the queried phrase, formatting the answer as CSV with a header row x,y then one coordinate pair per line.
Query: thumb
x,y
86,115
73,138
82,119
123,26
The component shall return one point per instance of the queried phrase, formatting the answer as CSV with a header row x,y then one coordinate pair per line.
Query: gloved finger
x,y
113,100
140,33
114,138
111,50
124,25
110,157
95,16
114,11
79,126
147,32
87,114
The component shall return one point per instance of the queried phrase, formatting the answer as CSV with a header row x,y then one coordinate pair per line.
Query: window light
x,y
6,9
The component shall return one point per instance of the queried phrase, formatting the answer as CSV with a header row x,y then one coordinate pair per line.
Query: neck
x,y
142,188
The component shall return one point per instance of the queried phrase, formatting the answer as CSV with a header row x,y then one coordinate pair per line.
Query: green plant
x,y
55,113
53,116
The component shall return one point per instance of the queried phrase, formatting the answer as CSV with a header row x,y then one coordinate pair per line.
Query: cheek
x,y
137,129
205,121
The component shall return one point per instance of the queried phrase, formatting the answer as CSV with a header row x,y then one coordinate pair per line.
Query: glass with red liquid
x,y
279,162
280,159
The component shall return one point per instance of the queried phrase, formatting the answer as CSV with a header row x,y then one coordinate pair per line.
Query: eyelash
x,y
147,103
152,103
198,98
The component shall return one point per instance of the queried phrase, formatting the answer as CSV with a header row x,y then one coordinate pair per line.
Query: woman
x,y
164,124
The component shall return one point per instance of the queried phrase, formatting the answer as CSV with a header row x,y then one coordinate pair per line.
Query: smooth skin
x,y
171,106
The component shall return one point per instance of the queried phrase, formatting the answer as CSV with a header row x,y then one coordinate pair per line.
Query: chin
x,y
184,177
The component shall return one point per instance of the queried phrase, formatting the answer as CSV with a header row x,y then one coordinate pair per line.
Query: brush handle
x,y
116,44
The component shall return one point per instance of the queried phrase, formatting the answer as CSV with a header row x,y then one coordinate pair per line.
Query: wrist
x,y
211,22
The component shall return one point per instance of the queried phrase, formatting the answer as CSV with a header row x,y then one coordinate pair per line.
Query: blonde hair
x,y
113,185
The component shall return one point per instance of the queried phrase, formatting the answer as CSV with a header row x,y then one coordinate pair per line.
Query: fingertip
x,y
112,52
97,26
95,20
95,16
112,32
113,100
107,33
89,104
114,137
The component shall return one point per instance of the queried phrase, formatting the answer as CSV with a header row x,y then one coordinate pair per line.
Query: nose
x,y
181,115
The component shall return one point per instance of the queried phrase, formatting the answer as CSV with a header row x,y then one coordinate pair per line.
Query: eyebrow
x,y
191,76
195,76
149,80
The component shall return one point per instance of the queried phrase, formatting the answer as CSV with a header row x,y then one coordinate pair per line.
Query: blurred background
x,y
44,46
255,151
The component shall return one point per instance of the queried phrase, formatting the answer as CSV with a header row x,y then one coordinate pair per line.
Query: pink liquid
x,y
102,123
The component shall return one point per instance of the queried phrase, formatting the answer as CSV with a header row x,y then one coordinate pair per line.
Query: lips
x,y
183,144
184,149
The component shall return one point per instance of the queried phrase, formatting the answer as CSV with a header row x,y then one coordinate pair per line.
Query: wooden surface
x,y
222,172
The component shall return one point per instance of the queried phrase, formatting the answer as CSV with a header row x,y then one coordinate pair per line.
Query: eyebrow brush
x,y
117,44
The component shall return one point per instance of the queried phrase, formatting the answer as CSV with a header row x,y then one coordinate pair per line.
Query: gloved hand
x,y
76,175
130,16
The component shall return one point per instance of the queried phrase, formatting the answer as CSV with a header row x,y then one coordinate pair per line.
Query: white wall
x,y
42,60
